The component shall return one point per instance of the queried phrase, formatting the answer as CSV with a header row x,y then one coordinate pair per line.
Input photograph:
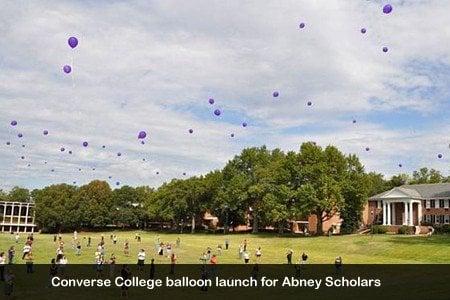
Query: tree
x,y
427,176
95,204
18,194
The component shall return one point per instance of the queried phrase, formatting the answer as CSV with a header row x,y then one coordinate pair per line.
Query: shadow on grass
x,y
441,239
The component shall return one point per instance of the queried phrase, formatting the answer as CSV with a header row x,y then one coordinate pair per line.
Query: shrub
x,y
442,228
379,229
406,230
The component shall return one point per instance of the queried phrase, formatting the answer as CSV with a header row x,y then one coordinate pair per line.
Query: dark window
x,y
441,203
433,219
432,204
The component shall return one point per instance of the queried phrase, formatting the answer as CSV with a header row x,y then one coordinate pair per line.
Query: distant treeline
x,y
270,186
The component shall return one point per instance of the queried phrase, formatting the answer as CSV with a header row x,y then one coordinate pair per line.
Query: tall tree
x,y
18,194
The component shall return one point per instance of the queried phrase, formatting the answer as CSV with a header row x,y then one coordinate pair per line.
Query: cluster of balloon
x,y
275,94
73,42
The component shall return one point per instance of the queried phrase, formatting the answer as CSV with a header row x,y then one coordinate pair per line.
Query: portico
x,y
401,211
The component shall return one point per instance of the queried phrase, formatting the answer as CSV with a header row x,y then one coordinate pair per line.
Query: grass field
x,y
379,249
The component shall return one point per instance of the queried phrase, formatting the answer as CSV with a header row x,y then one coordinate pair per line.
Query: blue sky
x,y
152,66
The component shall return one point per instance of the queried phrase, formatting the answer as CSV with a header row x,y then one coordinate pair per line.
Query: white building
x,y
17,216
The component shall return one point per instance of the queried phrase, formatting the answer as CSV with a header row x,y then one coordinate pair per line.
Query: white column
x,y
410,219
384,213
405,213
20,215
419,212
388,214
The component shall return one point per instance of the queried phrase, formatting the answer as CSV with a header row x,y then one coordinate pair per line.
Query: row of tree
x,y
268,187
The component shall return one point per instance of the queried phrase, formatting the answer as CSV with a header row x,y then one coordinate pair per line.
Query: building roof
x,y
422,191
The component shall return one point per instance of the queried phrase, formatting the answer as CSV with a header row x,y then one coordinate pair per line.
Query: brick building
x,y
410,205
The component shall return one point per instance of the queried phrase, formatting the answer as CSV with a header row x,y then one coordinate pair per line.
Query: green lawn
x,y
353,248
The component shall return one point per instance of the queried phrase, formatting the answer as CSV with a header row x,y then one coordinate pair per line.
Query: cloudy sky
x,y
153,65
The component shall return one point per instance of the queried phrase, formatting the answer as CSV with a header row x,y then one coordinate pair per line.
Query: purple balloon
x,y
67,69
244,124
109,177
29,165
184,174
8,143
275,94
53,170
191,131
211,101
62,149
73,42
45,132
400,165
217,112
302,25
143,159
93,169
103,146
309,103
22,157
367,148
363,30
79,169
440,155
45,162
142,142
23,146
13,123
85,144
74,182
385,49
70,151
142,135
387,9
354,121
20,135
119,154
157,173
117,183
232,135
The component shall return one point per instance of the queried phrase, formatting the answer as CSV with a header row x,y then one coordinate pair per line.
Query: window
x,y
440,219
427,218
433,219
432,203
447,219
441,203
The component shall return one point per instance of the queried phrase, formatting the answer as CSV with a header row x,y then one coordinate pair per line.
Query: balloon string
x,y
73,70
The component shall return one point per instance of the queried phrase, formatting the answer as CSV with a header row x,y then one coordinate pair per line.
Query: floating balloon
x,y
191,131
8,143
73,42
103,146
157,173
217,112
93,169
23,146
400,165
184,174
119,154
440,155
53,170
232,135
45,162
275,94
13,123
70,151
244,124
142,135
354,121
62,149
367,148
85,144
22,157
29,165
302,25
211,101
385,49
45,132
142,142
387,9
117,183
74,182
20,135
109,177
363,30
309,103
79,169
67,69
143,159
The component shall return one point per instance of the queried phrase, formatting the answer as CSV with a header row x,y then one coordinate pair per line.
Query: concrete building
x,y
410,205
17,217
